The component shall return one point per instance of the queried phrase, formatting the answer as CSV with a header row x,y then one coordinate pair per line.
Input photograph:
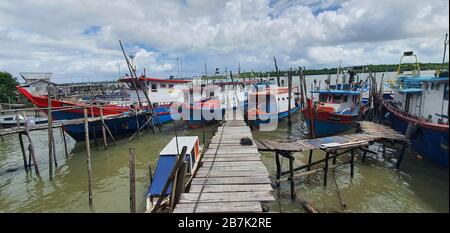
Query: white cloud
x,y
50,35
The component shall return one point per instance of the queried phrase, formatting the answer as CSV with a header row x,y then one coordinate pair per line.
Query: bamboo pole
x,y
22,147
289,96
105,142
291,177
132,167
94,129
88,149
63,134
31,149
50,133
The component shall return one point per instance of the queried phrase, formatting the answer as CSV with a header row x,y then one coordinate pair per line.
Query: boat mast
x,y
445,50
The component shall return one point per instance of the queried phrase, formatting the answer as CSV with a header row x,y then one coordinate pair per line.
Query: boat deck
x,y
232,177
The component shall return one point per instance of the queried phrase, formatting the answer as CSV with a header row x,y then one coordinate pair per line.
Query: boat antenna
x,y
445,50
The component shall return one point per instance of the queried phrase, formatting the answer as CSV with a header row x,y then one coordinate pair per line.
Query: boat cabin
x,y
338,101
414,92
272,99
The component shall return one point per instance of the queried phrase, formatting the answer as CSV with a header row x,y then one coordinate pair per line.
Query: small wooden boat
x,y
166,162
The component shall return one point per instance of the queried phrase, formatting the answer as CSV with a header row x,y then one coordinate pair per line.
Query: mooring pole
x,y
291,177
289,96
63,134
50,133
325,169
310,159
88,149
105,142
277,161
132,166
400,158
352,163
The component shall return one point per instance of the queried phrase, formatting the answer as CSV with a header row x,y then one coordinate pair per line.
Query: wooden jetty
x,y
333,147
232,177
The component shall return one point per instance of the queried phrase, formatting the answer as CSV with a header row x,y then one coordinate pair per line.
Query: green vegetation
x,y
373,68
7,88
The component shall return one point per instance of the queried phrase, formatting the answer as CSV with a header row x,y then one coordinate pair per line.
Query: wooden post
x,y
63,134
400,158
24,155
178,185
291,177
289,96
94,129
334,157
310,159
352,163
105,143
50,133
132,166
325,169
150,173
88,149
277,161
31,150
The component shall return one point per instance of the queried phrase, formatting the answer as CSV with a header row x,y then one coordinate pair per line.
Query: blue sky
x,y
78,40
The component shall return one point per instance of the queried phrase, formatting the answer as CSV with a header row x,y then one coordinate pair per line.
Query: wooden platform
x,y
232,177
370,132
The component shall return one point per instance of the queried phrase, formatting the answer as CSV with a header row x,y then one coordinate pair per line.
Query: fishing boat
x,y
120,120
166,163
271,104
418,108
337,109
214,100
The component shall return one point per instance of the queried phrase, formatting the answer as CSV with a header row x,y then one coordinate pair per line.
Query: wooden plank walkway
x,y
232,177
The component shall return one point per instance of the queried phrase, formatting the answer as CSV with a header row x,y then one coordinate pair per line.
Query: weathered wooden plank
x,y
235,168
223,155
232,180
231,188
230,159
223,207
226,197
214,173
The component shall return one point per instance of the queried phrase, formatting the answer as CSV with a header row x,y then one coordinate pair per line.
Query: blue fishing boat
x,y
418,108
166,163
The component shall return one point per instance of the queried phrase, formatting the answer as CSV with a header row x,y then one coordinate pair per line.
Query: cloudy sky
x,y
78,40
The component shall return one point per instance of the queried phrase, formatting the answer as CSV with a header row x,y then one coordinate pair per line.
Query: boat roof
x,y
142,78
423,79
171,147
411,90
337,92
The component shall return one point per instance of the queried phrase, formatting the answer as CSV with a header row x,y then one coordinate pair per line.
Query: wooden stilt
x,y
88,149
291,177
105,142
63,134
325,169
24,155
132,166
50,134
310,159
150,173
94,128
31,150
289,96
179,184
334,157
352,163
277,162
400,158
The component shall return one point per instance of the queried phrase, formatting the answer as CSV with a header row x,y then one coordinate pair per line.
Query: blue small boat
x,y
166,163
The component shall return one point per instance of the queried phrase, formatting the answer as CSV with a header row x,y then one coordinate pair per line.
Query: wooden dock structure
x,y
232,177
333,147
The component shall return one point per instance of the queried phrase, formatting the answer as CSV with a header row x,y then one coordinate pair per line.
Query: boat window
x,y
170,85
345,98
337,99
163,85
282,98
154,89
446,92
329,98
322,98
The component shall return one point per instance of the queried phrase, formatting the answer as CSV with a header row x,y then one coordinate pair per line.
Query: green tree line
x,y
7,88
